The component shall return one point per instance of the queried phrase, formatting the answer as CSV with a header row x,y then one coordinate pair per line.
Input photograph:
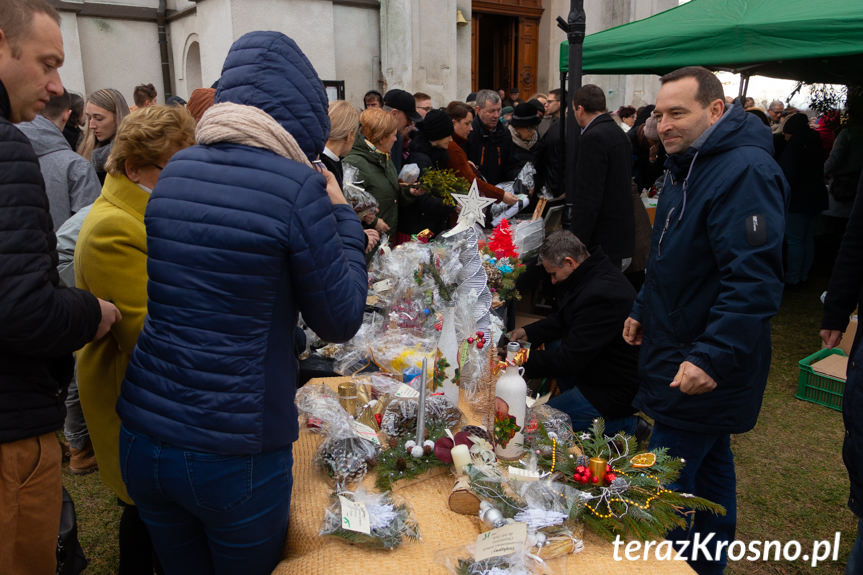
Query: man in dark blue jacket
x,y
714,280
41,322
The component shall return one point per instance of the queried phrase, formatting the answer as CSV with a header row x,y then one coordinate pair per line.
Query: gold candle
x,y
348,397
597,467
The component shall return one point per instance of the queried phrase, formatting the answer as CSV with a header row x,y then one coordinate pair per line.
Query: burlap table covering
x,y
308,553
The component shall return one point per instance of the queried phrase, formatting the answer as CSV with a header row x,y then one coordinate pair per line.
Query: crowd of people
x,y
174,247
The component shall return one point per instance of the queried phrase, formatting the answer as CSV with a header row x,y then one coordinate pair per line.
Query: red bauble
x,y
595,479
479,345
470,340
608,468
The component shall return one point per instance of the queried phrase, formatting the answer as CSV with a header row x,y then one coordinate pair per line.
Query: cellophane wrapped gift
x,y
391,520
348,449
463,560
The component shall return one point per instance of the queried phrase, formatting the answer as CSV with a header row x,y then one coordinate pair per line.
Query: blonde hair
x,y
377,124
343,120
147,134
112,101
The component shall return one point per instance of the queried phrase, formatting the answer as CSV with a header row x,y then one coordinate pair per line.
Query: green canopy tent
x,y
807,40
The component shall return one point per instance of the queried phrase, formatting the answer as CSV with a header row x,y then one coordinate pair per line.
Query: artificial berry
x,y
595,479
610,477
480,344
587,472
608,468
580,468
584,479
576,477
470,340
480,334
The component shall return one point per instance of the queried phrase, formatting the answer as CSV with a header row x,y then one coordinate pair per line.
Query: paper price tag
x,y
382,286
355,516
501,541
365,432
406,391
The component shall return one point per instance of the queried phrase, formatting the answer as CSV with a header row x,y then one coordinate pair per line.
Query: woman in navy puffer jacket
x,y
242,234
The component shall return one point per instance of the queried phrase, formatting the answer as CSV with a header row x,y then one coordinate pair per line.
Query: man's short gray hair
x,y
776,104
486,98
560,245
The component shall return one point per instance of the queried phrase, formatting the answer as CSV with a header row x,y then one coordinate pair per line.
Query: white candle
x,y
460,457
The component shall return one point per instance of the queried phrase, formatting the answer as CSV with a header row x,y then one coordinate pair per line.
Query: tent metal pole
x,y
574,27
744,85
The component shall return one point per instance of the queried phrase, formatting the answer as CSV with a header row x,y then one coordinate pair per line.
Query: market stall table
x,y
307,553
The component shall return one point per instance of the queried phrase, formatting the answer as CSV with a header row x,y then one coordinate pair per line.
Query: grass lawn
x,y
792,484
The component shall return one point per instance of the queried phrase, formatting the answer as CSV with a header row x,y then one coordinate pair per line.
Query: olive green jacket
x,y
379,178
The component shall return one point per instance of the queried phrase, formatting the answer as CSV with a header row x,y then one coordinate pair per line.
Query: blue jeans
x,y
708,473
855,559
800,239
75,428
582,413
209,513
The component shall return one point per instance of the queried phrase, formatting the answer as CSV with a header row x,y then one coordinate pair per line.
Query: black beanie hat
x,y
437,125
524,115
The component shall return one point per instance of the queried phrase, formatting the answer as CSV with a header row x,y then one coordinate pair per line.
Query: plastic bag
x,y
463,561
409,174
554,421
362,201
345,454
400,417
391,520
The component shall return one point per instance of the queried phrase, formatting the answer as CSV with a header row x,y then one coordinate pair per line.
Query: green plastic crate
x,y
817,387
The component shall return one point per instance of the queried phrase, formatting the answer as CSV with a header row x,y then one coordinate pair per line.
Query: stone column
x,y
72,71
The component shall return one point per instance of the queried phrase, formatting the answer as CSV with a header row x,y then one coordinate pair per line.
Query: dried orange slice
x,y
643,460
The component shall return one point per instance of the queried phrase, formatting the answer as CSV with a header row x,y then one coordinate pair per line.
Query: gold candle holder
x,y
348,397
597,467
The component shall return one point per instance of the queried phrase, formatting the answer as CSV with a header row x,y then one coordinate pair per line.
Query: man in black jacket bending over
x,y
595,369
41,323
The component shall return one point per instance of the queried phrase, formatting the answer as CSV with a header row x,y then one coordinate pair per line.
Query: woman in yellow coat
x,y
111,262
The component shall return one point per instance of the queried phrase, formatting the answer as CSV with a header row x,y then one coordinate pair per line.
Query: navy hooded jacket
x,y
714,278
239,240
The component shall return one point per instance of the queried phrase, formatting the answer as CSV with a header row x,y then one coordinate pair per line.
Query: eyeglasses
x,y
426,108
550,101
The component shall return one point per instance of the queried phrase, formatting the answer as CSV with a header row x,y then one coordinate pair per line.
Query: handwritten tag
x,y
407,392
365,432
501,541
355,516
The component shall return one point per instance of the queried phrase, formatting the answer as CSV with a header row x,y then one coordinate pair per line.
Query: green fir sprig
x,y
638,502
395,464
443,184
